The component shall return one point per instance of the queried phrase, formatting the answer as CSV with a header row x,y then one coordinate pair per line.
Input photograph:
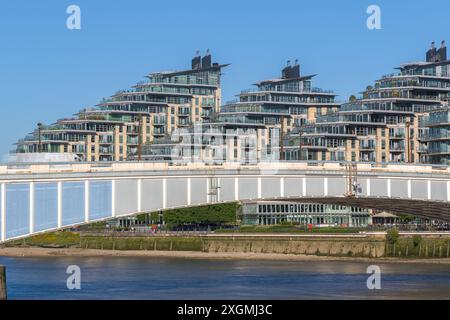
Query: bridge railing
x,y
77,167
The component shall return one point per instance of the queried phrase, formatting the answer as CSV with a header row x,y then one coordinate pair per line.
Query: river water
x,y
178,278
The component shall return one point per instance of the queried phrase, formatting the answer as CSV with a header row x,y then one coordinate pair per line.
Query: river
x,y
179,278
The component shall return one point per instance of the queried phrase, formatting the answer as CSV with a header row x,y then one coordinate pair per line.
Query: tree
x,y
211,215
392,236
417,240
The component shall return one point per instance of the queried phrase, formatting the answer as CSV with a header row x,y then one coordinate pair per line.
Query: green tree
x,y
417,240
211,214
392,236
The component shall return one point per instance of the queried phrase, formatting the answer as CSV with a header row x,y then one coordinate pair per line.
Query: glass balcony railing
x,y
257,108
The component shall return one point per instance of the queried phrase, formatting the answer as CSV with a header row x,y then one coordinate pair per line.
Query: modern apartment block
x,y
383,125
245,127
284,102
215,142
403,117
116,129
435,136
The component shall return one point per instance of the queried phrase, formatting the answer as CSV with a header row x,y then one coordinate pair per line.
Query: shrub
x,y
392,236
210,214
417,240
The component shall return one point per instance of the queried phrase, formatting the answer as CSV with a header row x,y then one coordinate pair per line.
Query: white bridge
x,y
38,198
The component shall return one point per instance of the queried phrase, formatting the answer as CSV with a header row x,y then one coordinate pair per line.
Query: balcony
x,y
397,136
396,149
367,146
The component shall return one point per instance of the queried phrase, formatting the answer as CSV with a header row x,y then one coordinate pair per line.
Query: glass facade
x,y
270,213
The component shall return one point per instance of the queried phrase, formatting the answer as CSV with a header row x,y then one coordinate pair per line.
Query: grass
x,y
405,247
60,239
436,247
66,239
142,243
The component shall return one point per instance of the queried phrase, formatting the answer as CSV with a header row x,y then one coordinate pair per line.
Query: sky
x,y
49,72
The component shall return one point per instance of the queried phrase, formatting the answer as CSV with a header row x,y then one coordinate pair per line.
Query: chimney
x,y
295,70
196,61
206,60
442,52
431,54
285,73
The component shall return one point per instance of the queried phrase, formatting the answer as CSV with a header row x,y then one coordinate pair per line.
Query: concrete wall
x,y
366,247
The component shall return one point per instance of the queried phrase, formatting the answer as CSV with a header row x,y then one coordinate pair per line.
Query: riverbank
x,y
77,252
238,246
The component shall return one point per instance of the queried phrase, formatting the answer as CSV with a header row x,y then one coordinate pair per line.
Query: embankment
x,y
367,246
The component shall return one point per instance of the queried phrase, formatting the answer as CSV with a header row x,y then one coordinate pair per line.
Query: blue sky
x,y
49,72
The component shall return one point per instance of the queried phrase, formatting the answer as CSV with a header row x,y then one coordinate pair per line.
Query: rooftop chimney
x,y
206,60
196,61
286,70
442,52
431,54
295,70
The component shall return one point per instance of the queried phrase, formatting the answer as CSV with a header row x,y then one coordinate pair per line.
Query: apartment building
x,y
118,126
284,102
250,129
384,124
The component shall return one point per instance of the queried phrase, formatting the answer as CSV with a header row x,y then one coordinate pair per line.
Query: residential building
x,y
435,136
384,124
116,129
253,127
284,102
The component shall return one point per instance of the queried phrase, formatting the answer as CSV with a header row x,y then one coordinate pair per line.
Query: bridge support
x,y
31,207
86,201
139,195
189,196
3,212
59,201
448,192
113,198
409,189
164,194
3,295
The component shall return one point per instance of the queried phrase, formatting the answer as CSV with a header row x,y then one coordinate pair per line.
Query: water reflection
x,y
171,278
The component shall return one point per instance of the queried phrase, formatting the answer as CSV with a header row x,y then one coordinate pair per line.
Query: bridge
x,y
39,198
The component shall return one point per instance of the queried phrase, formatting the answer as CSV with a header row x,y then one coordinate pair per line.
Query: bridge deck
x,y
42,197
